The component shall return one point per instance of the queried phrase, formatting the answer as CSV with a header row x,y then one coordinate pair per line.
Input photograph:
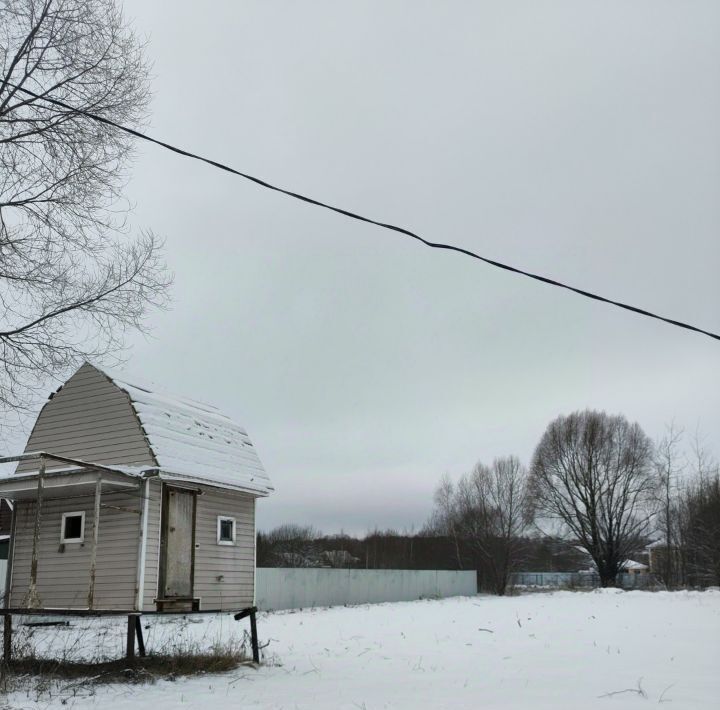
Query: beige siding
x,y
63,576
89,419
234,563
152,551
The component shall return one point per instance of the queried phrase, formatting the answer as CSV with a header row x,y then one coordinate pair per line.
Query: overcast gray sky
x,y
575,139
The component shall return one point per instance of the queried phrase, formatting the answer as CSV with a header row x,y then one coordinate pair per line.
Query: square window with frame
x,y
225,530
72,527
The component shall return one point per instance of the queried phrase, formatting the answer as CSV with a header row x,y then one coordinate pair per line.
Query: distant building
x,y
632,567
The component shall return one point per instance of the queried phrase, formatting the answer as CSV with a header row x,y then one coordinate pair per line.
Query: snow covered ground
x,y
558,651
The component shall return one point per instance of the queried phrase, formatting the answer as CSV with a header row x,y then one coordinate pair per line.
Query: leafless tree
x,y
71,281
292,545
443,520
669,466
699,520
488,511
593,473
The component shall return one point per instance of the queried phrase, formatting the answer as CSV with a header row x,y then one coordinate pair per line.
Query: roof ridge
x,y
149,386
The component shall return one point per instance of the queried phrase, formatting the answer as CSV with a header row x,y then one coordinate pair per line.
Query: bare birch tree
x,y
593,473
669,466
488,512
71,281
443,519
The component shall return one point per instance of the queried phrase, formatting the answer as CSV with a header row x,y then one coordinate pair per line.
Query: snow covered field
x,y
559,651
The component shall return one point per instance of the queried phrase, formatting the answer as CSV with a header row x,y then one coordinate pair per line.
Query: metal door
x,y
179,542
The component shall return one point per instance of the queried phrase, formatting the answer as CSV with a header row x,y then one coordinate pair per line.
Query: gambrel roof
x,y
194,440
110,419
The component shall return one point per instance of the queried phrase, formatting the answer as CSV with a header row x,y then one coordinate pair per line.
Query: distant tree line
x,y
304,546
597,490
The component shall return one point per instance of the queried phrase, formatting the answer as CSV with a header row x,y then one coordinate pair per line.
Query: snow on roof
x,y
631,564
80,467
194,440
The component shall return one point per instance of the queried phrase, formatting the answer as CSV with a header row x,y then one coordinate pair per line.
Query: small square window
x,y
226,531
72,528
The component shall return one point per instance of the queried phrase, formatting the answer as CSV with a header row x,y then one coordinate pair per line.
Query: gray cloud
x,y
572,139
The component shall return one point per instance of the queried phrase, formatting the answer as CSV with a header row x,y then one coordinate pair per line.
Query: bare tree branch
x,y
71,281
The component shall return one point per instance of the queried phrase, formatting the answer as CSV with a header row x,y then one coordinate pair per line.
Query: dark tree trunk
x,y
608,573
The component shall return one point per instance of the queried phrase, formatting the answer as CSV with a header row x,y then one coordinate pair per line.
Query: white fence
x,y
302,587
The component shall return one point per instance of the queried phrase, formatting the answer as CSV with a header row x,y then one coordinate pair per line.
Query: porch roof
x,y
64,480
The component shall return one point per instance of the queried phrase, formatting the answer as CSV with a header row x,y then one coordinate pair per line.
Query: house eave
x,y
261,491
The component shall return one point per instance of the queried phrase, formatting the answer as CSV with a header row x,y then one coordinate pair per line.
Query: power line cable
x,y
368,220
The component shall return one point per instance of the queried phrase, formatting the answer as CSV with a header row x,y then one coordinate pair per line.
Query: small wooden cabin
x,y
131,499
